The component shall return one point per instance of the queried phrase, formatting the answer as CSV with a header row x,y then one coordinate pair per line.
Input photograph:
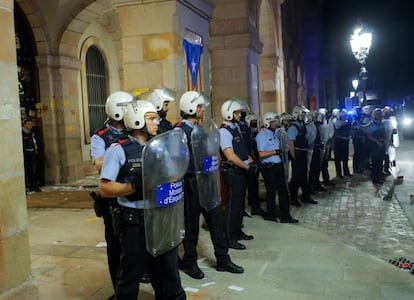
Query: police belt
x,y
301,149
132,215
271,165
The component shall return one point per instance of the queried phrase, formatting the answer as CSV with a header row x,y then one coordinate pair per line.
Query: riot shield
x,y
165,160
205,144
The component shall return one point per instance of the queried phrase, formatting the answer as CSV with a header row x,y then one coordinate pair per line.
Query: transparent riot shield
x,y
165,160
205,143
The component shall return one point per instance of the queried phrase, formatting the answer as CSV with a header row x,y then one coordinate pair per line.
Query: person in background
x,y
249,129
270,153
281,133
315,165
377,138
161,99
30,151
341,145
358,140
327,137
298,151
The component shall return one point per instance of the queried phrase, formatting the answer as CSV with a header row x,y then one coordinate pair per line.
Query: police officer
x,y
30,151
298,150
192,107
270,153
236,162
281,133
327,132
341,144
100,141
358,139
161,99
315,165
120,177
377,136
249,128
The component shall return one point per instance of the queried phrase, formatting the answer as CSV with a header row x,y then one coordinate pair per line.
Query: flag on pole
x,y
193,54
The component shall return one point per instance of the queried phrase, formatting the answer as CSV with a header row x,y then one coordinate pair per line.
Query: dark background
x,y
390,63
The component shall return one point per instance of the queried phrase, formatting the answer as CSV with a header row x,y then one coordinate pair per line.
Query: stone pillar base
x,y
26,290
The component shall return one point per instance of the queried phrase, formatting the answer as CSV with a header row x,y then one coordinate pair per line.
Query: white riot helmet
x,y
190,100
323,111
270,117
158,96
315,116
231,106
386,111
135,113
299,113
367,110
116,103
251,118
335,112
285,117
376,111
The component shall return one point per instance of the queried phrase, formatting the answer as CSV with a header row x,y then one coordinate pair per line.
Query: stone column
x,y
15,269
152,36
235,49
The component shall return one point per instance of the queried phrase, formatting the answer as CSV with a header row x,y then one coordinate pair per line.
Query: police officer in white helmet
x,y
236,164
121,177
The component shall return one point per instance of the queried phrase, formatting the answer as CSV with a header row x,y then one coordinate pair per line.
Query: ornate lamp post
x,y
360,44
355,83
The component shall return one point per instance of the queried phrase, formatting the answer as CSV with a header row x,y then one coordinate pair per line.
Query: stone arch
x,y
38,25
271,60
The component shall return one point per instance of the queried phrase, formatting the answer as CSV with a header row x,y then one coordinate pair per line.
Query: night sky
x,y
391,60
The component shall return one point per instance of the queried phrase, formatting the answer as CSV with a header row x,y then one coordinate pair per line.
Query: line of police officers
x,y
147,215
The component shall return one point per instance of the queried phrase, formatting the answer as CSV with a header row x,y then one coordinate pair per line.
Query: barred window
x,y
96,83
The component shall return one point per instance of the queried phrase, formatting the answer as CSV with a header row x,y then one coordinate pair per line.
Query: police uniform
x,y
235,180
100,141
253,179
376,130
327,137
297,133
29,152
315,165
122,164
164,126
274,175
341,147
284,146
358,139
213,218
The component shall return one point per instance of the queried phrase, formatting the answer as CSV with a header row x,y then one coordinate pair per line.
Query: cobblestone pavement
x,y
355,212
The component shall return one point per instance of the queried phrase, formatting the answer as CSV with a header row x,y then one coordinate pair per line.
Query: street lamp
x,y
360,44
355,83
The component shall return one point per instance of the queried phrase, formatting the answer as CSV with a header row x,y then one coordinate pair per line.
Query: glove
x,y
136,182
253,168
278,152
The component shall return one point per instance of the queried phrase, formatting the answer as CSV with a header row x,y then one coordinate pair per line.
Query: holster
x,y
116,220
99,204
228,172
